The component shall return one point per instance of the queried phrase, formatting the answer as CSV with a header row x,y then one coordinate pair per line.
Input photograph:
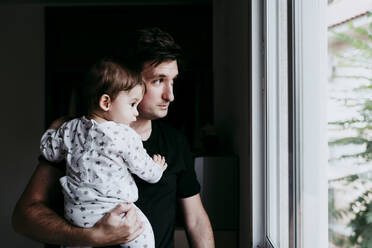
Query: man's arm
x,y
198,226
33,216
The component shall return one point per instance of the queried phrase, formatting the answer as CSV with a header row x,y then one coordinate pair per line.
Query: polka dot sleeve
x,y
52,146
130,148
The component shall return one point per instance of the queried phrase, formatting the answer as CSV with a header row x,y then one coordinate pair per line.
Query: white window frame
x,y
301,150
310,136
276,124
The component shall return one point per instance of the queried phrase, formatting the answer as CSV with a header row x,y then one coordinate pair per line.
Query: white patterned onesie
x,y
100,158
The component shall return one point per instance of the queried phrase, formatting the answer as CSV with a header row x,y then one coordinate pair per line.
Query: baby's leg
x,y
146,239
85,215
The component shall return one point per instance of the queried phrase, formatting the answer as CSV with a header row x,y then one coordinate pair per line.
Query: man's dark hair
x,y
150,45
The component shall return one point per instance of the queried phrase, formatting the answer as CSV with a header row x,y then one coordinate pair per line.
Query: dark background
x,y
77,37
23,66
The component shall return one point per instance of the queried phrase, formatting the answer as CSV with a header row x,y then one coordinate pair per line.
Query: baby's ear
x,y
104,102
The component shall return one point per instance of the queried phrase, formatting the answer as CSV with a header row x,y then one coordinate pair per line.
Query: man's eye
x,y
158,81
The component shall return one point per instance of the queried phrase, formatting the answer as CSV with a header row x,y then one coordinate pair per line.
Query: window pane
x,y
349,124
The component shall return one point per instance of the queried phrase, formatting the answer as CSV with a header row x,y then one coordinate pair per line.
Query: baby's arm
x,y
51,144
138,161
141,164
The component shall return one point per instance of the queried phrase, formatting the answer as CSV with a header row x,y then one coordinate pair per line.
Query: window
x,y
349,123
276,119
317,114
308,124
295,148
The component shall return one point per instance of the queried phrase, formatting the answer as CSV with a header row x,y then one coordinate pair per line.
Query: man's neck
x,y
143,127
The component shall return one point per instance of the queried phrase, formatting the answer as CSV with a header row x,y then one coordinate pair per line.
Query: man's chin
x,y
155,115
161,113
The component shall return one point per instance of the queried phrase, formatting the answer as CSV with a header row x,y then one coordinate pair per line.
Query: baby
x,y
101,150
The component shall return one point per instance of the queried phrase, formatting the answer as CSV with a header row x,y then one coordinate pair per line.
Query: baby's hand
x,y
160,160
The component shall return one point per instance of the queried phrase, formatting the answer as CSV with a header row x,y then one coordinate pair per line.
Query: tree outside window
x,y
350,132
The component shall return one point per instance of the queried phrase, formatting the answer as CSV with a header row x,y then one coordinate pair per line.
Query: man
x,y
156,53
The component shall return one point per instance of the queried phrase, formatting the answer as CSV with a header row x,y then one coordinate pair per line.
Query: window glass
x,y
349,124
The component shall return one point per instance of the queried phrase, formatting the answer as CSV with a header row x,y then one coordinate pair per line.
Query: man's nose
x,y
168,93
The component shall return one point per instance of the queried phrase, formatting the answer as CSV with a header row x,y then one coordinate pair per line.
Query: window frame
x,y
276,124
309,123
306,153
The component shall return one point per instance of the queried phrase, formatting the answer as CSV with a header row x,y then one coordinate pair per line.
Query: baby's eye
x,y
133,104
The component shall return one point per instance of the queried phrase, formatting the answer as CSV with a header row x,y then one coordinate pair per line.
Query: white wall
x,y
22,103
231,93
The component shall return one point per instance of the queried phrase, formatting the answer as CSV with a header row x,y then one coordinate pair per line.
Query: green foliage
x,y
362,222
368,106
353,77
366,110
348,140
364,87
358,44
359,212
344,123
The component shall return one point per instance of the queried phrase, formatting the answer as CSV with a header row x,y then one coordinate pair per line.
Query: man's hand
x,y
113,225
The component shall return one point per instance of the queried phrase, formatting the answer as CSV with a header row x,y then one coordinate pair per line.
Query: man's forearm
x,y
42,224
198,227
34,218
200,235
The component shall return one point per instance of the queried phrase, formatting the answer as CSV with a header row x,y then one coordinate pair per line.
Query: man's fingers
x,y
121,208
131,216
138,228
133,221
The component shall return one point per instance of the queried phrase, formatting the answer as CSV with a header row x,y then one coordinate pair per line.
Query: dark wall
x,y
23,70
232,97
22,118
76,37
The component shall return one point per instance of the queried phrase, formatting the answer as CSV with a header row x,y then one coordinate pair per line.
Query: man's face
x,y
159,89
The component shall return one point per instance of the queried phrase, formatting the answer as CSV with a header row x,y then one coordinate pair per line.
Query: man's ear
x,y
104,102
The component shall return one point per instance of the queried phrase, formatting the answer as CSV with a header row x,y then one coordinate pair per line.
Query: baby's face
x,y
124,108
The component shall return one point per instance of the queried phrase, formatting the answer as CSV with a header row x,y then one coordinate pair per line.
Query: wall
x,y
22,101
231,94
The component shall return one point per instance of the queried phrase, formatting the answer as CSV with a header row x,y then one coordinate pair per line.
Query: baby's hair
x,y
109,77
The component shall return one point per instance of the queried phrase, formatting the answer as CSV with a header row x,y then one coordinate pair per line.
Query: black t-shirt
x,y
159,201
